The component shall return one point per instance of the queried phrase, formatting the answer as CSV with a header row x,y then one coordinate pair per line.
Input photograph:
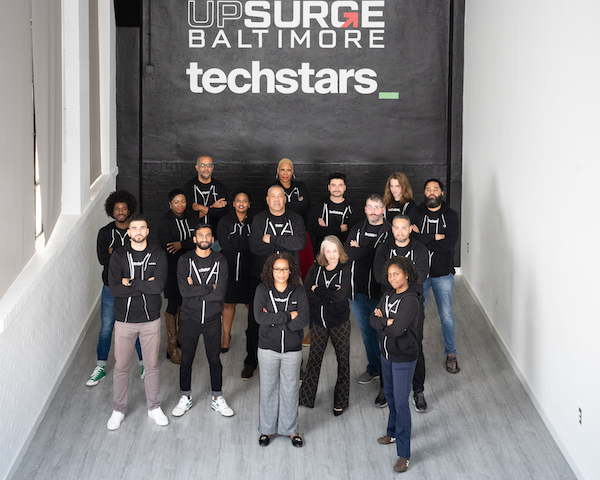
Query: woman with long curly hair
x,y
281,310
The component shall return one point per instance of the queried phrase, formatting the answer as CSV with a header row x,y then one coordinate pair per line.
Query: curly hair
x,y
405,196
267,272
404,264
120,196
321,260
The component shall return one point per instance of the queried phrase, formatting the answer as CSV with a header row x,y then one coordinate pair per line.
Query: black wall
x,y
163,126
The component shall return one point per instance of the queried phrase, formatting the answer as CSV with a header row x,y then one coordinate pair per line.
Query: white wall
x,y
530,188
47,309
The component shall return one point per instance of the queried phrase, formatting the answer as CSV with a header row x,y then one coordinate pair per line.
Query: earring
x,y
293,176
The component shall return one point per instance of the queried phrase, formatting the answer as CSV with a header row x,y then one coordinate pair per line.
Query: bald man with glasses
x,y
206,197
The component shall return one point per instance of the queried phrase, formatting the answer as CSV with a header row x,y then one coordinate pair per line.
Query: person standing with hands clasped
x,y
396,318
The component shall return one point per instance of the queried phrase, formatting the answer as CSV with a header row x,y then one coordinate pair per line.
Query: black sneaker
x,y
420,403
380,401
248,371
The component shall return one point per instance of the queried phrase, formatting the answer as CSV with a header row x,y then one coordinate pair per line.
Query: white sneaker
x,y
158,416
220,405
115,420
185,403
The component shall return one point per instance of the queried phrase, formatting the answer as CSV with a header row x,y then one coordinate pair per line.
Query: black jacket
x,y
441,252
298,190
361,258
140,302
172,228
201,301
334,215
415,251
329,300
399,209
113,237
288,234
398,342
277,331
205,194
234,238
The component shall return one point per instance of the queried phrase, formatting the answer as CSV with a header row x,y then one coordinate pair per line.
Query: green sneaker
x,y
98,374
143,373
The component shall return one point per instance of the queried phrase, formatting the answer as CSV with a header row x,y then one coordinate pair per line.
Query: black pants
x,y
418,382
190,334
340,338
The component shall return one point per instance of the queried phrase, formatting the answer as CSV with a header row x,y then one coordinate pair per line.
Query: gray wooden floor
x,y
480,423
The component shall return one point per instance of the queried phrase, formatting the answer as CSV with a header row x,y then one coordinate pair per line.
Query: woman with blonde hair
x,y
298,201
398,196
327,287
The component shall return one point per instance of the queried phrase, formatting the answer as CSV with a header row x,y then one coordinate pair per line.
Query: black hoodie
x,y
201,301
278,332
141,301
398,342
441,252
329,300
288,234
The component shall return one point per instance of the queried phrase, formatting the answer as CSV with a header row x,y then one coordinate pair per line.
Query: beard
x,y
140,240
204,245
434,202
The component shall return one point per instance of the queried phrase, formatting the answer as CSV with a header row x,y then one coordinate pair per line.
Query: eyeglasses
x,y
370,207
206,165
279,270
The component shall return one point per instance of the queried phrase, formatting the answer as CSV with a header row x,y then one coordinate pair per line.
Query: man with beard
x,y
335,213
119,205
202,278
137,275
273,230
401,245
361,244
205,196
436,226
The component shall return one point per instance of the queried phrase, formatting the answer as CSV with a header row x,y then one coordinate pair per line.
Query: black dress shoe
x,y
248,371
338,411
297,441
264,440
224,349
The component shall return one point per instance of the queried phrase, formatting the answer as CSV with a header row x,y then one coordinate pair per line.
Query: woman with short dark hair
x,y
281,310
175,232
396,317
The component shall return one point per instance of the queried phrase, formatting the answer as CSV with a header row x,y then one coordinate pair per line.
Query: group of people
x,y
211,258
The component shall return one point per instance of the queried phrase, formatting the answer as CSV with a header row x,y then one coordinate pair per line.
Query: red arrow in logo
x,y
352,19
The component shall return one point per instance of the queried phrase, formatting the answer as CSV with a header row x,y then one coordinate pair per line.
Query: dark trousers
x,y
252,330
396,384
190,334
340,338
418,382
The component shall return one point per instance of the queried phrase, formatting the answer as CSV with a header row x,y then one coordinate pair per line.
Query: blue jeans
x,y
362,306
107,319
442,291
397,379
